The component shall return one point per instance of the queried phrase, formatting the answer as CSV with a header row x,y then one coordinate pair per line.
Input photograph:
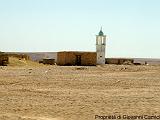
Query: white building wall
x,y
100,49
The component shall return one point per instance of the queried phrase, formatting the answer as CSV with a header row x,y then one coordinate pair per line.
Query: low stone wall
x,y
119,61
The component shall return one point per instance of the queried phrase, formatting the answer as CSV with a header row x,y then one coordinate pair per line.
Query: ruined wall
x,y
4,59
89,58
69,58
118,61
61,58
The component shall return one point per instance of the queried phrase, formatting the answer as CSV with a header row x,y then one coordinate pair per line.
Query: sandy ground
x,y
78,93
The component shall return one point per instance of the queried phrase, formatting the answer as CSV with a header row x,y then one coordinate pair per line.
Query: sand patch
x,y
19,117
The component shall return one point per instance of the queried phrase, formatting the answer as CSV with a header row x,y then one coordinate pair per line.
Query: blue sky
x,y
132,26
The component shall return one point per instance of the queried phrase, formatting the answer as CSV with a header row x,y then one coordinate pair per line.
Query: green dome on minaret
x,y
101,32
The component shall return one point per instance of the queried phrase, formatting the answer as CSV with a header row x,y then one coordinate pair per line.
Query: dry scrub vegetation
x,y
30,91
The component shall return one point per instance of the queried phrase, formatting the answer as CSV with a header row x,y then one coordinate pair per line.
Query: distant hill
x,y
149,61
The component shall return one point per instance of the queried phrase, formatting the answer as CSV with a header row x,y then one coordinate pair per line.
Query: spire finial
x,y
101,28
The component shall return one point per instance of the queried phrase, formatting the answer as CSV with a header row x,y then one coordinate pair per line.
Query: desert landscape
x,y
32,91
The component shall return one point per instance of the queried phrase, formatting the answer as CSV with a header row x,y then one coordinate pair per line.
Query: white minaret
x,y
100,47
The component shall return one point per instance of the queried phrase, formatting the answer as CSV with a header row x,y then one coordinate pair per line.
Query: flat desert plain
x,y
42,92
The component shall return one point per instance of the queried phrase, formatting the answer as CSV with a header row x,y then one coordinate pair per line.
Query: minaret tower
x,y
100,47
